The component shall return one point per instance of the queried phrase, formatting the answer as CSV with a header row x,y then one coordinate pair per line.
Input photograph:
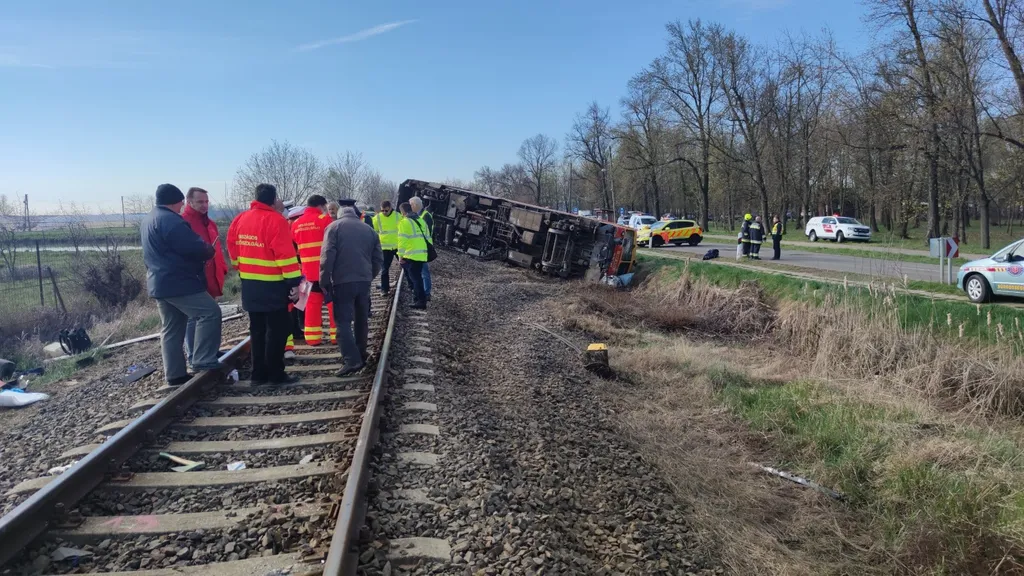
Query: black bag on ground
x,y
74,341
711,254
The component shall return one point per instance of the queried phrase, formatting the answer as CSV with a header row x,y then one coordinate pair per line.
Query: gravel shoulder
x,y
534,476
33,438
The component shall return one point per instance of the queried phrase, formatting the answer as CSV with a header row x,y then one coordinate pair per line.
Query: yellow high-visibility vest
x,y
412,242
387,228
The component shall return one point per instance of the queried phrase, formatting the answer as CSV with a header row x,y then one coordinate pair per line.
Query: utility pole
x,y
124,218
28,220
568,208
611,179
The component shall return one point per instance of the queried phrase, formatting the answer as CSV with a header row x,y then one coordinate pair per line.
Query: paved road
x,y
971,252
882,266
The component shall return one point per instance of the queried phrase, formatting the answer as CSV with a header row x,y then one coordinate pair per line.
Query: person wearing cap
x,y
260,246
350,259
175,258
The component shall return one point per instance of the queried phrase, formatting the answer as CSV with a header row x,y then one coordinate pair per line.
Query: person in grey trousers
x,y
350,259
175,260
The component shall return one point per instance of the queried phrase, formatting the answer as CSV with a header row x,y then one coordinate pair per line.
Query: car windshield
x,y
647,220
1012,248
658,225
848,221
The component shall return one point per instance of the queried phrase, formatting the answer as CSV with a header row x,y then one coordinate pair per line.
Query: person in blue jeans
x,y
428,220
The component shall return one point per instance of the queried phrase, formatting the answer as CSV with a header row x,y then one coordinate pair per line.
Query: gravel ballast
x,y
533,477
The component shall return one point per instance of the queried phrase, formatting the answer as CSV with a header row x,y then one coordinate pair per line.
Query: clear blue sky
x,y
104,98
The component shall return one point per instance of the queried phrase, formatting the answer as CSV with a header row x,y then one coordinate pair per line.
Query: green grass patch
x,y
981,323
949,515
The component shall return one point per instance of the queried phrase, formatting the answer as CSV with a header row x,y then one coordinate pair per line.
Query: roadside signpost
x,y
945,249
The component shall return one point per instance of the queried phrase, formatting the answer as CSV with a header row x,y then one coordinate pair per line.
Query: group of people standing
x,y
339,257
752,235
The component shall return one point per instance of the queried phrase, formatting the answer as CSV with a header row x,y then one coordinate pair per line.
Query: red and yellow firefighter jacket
x,y
260,247
308,233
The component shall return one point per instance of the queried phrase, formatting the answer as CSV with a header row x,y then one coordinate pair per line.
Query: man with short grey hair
x,y
350,259
428,224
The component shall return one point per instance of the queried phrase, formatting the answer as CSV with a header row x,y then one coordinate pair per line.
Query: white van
x,y
638,221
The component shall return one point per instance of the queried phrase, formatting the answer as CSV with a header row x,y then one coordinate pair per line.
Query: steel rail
x,y
52,503
343,556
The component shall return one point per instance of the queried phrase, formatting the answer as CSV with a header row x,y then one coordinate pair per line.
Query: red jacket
x,y
216,267
308,233
260,246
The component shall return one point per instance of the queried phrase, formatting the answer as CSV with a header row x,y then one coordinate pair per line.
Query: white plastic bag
x,y
12,399
304,289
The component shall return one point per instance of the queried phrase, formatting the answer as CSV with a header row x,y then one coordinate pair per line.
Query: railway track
x,y
295,508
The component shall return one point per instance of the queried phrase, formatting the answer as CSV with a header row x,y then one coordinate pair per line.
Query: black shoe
x,y
180,380
286,379
347,370
258,381
428,297
419,306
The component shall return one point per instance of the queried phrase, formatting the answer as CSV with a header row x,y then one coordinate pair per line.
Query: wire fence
x,y
67,275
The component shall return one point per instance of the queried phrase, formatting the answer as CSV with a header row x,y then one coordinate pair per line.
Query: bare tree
x,y
9,223
73,224
590,140
138,205
537,155
643,134
375,188
750,94
690,80
295,171
345,175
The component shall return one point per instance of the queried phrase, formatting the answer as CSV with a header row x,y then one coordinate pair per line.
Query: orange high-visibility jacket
x,y
260,247
308,233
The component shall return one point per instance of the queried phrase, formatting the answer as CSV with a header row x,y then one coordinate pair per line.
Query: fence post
x,y
39,266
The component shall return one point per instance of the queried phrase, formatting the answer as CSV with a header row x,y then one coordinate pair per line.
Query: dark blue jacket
x,y
174,255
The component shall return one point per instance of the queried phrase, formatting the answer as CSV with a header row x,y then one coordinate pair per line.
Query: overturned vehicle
x,y
553,242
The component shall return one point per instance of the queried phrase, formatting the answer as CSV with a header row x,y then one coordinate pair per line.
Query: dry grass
x,y
841,339
138,318
910,423
755,524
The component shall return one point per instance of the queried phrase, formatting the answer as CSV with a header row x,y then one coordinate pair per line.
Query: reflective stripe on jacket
x,y
260,246
308,233
387,228
756,233
412,242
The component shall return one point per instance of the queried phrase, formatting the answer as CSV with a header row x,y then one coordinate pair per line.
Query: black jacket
x,y
175,256
756,232
745,230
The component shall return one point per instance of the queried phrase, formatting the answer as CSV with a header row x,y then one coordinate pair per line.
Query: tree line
x,y
299,173
922,129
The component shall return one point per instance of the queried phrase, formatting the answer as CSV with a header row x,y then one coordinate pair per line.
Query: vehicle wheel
x,y
840,238
813,236
695,239
656,241
977,289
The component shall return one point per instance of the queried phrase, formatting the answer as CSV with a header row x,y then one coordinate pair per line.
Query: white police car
x,y
837,228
